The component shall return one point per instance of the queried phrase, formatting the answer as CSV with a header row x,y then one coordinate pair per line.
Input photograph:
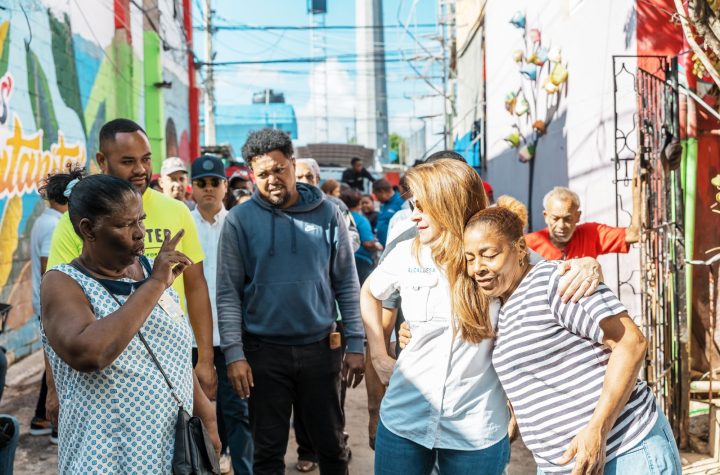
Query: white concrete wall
x,y
578,149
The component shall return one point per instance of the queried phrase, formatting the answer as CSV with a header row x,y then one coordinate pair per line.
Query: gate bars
x,y
651,83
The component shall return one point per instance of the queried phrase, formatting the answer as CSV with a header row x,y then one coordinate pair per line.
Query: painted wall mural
x,y
534,104
67,67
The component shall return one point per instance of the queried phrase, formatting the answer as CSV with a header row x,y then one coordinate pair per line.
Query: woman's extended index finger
x,y
172,242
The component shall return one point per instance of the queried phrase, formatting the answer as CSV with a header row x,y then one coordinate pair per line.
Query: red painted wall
x,y
193,91
656,35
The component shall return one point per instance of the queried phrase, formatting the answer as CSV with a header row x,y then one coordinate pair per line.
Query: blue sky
x,y
235,84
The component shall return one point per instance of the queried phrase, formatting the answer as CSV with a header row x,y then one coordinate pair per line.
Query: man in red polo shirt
x,y
564,238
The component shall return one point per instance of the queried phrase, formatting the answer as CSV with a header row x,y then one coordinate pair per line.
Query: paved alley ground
x,y
35,455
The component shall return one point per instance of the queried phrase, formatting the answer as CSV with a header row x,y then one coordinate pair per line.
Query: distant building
x,y
233,123
334,158
336,154
268,96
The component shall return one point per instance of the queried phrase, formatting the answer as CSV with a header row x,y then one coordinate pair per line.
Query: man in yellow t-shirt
x,y
125,153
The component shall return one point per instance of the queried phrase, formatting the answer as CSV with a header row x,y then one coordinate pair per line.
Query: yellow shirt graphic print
x,y
162,213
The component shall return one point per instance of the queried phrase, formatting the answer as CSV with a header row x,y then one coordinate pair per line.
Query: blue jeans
x,y
656,454
7,453
233,418
397,455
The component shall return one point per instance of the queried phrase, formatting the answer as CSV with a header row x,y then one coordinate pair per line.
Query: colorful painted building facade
x,y
66,68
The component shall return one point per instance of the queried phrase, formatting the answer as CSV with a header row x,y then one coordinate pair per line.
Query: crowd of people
x,y
271,290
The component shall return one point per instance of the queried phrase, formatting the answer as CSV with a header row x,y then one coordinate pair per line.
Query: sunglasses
x,y
413,204
214,182
240,192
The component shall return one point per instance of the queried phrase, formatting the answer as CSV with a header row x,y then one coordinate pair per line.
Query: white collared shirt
x,y
40,239
444,392
209,234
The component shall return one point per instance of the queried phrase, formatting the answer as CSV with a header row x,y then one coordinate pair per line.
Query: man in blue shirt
x,y
365,255
391,204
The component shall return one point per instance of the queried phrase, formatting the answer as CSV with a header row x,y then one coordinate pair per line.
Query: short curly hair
x,y
261,142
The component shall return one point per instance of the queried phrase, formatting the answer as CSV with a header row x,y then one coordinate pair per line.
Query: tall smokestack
x,y
372,116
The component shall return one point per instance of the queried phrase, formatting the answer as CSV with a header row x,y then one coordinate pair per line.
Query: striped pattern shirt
x,y
551,362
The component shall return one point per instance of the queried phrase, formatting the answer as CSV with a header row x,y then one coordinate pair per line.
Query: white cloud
x,y
236,86
341,104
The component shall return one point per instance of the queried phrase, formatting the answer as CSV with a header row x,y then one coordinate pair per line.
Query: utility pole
x,y
317,11
209,77
372,113
447,22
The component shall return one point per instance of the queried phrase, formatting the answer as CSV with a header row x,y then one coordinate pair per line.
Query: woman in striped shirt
x,y
568,369
444,401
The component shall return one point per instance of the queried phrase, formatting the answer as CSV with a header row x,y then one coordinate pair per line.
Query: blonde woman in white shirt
x,y
444,399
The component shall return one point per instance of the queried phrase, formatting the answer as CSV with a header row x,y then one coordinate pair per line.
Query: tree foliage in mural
x,y
543,82
66,71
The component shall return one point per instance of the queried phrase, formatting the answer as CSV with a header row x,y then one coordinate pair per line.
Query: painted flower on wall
x,y
543,80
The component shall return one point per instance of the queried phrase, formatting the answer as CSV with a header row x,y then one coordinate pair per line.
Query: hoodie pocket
x,y
300,308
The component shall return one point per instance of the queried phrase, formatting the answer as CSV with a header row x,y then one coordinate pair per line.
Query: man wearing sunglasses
x,y
209,187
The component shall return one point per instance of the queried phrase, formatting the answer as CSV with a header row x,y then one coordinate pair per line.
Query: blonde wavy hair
x,y
451,192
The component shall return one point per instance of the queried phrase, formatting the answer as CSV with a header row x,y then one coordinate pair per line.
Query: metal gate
x,y
651,133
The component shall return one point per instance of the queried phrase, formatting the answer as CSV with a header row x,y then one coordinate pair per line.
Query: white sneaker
x,y
225,463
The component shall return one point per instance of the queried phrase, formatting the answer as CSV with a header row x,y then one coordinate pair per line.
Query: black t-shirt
x,y
355,179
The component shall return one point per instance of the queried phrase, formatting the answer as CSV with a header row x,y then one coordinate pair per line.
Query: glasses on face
x,y
214,182
413,204
240,192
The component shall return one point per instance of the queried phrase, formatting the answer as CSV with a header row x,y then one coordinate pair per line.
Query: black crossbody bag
x,y
194,452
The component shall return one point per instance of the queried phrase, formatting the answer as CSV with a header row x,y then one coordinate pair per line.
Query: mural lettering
x,y
23,162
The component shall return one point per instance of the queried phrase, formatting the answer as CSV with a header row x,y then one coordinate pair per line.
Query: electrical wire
x,y
245,27
341,58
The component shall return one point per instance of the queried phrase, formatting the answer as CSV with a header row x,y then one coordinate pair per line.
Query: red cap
x,y
241,172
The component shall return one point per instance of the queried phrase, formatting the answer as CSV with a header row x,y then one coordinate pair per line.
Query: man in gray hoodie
x,y
283,261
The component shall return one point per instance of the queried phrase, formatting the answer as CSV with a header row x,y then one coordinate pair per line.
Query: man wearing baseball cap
x,y
174,180
209,187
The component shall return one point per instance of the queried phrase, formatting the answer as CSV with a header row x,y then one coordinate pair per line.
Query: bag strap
x,y
139,334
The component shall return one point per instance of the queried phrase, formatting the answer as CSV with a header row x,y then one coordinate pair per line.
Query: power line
x,y
308,27
340,58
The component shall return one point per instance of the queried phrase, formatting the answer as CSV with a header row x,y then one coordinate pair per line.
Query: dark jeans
x,y
233,418
305,450
395,454
8,425
307,376
42,397
364,269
